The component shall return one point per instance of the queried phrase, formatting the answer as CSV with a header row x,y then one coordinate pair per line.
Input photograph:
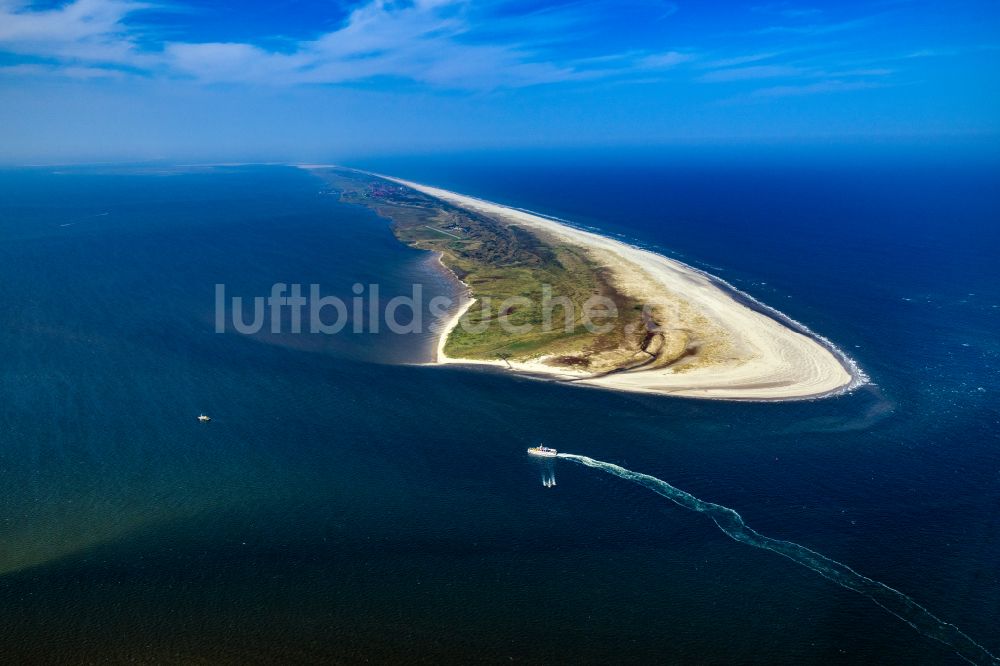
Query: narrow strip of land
x,y
729,350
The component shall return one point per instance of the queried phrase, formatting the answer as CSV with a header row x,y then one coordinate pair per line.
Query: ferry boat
x,y
204,418
542,450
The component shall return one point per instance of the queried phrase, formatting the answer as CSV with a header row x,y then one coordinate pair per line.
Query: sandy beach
x,y
756,356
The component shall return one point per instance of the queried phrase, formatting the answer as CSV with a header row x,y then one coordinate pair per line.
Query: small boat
x,y
542,450
204,418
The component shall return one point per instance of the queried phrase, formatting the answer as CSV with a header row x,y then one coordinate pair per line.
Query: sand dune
x,y
755,356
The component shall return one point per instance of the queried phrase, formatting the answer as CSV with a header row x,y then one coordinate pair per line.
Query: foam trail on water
x,y
732,524
547,468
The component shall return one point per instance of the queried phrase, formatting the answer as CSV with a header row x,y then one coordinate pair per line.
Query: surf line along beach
x,y
740,350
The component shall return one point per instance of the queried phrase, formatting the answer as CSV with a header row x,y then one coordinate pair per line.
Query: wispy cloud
x,y
817,88
437,44
431,41
863,72
817,29
421,42
931,53
82,30
799,67
440,43
752,72
663,60
787,10
70,72
735,61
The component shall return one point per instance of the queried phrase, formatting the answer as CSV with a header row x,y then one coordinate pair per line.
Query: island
x,y
544,298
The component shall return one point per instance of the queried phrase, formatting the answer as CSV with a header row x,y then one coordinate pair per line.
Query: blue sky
x,y
321,80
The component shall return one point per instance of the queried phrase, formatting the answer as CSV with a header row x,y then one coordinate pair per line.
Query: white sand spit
x,y
757,357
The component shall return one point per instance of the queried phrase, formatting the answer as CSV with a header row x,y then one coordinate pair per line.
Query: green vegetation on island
x,y
534,295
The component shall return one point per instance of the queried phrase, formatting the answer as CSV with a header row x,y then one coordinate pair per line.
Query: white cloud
x,y
750,73
214,61
820,87
739,60
870,71
431,42
422,42
664,60
814,29
71,72
440,43
787,10
87,30
931,53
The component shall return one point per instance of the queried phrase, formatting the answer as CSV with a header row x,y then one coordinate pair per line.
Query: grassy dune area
x,y
666,328
531,292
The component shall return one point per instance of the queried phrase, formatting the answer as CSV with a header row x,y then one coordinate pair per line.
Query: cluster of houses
x,y
381,191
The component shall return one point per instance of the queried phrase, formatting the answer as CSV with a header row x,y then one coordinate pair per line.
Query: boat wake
x,y
547,471
732,524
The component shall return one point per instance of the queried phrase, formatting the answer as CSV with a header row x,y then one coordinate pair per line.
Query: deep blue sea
x,y
347,504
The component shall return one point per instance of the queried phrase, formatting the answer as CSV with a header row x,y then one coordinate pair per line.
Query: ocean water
x,y
349,504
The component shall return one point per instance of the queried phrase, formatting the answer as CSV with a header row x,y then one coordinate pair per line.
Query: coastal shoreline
x,y
789,362
466,302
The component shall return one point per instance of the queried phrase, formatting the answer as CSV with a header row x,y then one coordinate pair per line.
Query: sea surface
x,y
347,503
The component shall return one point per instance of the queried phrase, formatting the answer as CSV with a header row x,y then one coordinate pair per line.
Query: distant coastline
x,y
726,345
